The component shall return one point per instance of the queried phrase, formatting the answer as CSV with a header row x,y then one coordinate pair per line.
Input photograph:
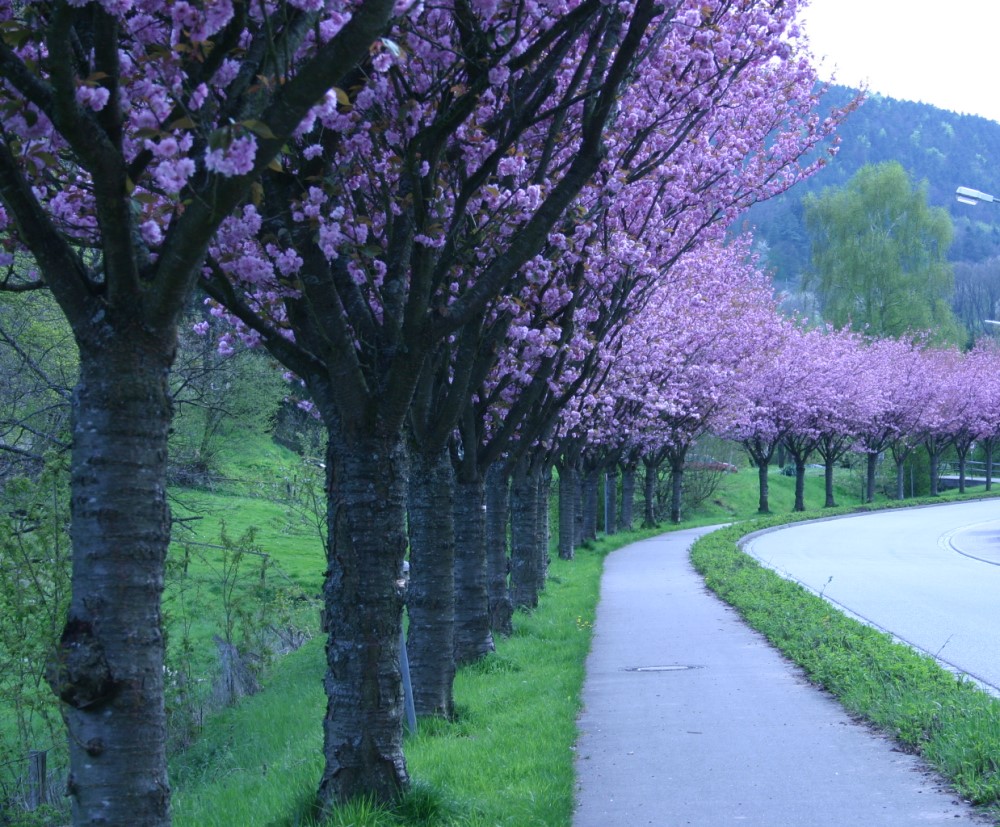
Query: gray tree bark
x,y
543,526
591,482
649,507
497,561
430,599
763,505
625,518
567,510
473,638
525,574
579,519
676,488
108,669
363,726
871,463
611,500
934,451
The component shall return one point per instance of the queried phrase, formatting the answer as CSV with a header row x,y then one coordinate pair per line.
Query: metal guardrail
x,y
974,470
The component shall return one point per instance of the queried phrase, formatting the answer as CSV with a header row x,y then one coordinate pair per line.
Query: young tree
x,y
130,130
37,373
879,256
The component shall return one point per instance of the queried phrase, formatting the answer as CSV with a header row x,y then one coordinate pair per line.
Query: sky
x,y
943,53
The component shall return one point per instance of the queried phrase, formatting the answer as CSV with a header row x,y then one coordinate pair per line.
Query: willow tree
x,y
878,255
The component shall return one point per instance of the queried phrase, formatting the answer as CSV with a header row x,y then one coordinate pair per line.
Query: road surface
x,y
930,576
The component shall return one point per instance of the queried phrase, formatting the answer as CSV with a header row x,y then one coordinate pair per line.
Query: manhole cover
x,y
660,668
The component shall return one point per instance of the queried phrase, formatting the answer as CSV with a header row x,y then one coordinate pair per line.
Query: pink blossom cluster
x,y
171,85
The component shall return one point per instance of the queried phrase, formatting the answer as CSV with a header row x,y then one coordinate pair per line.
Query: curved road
x,y
930,576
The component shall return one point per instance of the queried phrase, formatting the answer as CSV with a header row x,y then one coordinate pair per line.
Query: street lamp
x,y
967,195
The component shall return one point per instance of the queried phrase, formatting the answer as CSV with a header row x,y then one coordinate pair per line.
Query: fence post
x,y
36,779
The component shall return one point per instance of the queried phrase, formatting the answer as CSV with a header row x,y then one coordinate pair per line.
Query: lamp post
x,y
967,195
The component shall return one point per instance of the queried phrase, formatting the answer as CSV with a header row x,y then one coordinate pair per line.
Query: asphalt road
x,y
930,576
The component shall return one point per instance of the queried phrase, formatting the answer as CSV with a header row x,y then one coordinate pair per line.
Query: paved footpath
x,y
691,718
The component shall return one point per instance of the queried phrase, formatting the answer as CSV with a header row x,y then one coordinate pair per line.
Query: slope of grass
x,y
507,758
737,496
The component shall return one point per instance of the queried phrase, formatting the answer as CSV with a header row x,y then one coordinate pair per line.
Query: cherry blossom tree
x,y
378,247
755,415
845,413
944,407
461,189
984,366
130,130
674,362
825,405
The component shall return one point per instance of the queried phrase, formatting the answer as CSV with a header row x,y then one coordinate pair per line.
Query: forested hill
x,y
943,148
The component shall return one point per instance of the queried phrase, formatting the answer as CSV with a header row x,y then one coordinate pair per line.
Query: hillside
x,y
943,148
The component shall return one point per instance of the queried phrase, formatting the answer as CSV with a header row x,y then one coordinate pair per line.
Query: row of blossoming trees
x,y
447,221
717,358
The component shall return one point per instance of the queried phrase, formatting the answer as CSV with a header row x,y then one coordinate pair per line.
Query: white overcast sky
x,y
942,53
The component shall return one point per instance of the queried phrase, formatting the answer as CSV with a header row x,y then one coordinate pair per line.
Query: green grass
x,y
737,497
257,762
507,758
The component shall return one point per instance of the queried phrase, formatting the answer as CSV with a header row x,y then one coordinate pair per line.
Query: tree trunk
x,y
611,500
108,668
676,488
988,448
497,561
900,478
524,562
628,497
591,483
934,454
828,480
870,467
649,488
363,728
962,455
762,501
473,639
800,483
579,520
430,598
543,488
567,510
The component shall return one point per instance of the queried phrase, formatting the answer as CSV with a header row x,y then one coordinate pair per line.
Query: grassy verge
x,y
505,760
955,726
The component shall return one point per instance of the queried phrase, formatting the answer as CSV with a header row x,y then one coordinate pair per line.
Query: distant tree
x,y
878,255
977,294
